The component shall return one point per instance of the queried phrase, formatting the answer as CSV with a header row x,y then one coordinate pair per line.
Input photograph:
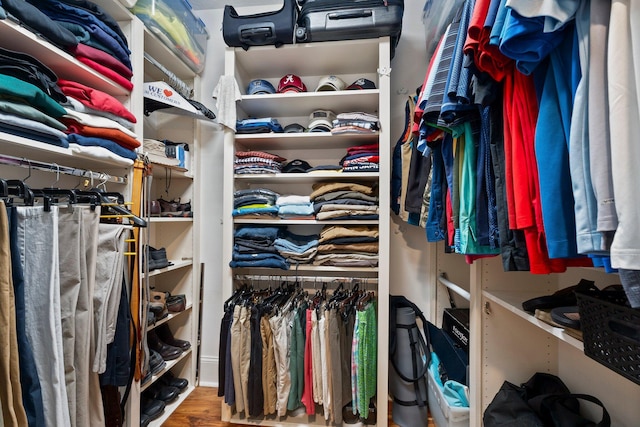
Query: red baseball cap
x,y
291,83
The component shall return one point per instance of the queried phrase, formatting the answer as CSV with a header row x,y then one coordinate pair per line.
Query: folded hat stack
x,y
362,158
257,162
344,201
348,246
255,203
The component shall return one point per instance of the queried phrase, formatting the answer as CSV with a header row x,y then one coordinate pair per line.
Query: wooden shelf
x,y
65,66
169,317
176,266
512,301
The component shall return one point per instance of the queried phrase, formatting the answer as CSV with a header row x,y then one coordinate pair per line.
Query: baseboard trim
x,y
209,371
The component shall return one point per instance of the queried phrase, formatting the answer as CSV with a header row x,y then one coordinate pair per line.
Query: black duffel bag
x,y
260,29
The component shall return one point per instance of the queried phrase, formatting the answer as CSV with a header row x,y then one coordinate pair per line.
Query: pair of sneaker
x,y
171,208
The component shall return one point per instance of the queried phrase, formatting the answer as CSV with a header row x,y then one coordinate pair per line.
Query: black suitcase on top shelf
x,y
260,29
324,20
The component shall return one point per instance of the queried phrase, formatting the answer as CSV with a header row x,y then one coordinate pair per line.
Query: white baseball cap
x,y
321,121
331,83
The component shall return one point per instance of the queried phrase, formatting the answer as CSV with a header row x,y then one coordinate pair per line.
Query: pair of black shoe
x,y
154,399
161,339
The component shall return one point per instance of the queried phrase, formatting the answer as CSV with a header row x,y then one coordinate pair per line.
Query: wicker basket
x,y
611,331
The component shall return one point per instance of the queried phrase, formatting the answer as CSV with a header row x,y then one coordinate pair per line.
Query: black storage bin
x,y
611,331
326,20
268,28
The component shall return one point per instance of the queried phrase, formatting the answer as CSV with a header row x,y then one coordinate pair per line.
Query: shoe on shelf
x,y
173,381
168,352
165,334
165,393
170,208
158,258
156,364
154,208
151,317
176,303
158,304
152,408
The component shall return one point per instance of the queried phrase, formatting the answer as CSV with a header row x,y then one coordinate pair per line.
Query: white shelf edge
x,y
303,136
169,317
311,95
512,300
169,219
177,264
307,176
171,408
169,364
317,268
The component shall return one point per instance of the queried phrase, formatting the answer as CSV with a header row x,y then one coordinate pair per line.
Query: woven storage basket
x,y
611,331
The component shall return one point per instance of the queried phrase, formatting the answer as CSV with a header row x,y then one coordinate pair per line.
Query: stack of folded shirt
x,y
357,122
29,99
104,126
257,162
344,200
297,249
262,125
295,207
100,42
253,246
255,203
348,246
362,158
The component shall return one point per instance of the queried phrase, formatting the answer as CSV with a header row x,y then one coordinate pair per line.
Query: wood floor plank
x,y
202,409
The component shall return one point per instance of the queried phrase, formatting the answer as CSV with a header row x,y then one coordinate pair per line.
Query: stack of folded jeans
x,y
345,200
295,207
362,158
262,125
255,203
297,249
253,246
257,162
348,246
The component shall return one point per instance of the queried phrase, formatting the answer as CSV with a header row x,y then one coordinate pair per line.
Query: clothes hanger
x,y
121,211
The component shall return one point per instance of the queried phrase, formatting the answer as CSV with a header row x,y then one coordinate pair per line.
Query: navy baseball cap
x,y
296,166
260,86
294,128
361,83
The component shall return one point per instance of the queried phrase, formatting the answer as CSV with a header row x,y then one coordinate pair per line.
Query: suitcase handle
x,y
256,35
362,13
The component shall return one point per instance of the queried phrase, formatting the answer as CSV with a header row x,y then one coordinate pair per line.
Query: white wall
x,y
409,249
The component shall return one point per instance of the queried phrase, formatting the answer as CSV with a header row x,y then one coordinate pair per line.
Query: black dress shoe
x,y
168,352
152,408
173,381
162,392
164,333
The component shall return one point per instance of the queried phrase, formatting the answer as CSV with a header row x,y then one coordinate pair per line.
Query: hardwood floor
x,y
202,409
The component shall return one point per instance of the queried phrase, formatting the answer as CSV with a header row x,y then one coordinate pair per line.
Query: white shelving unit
x,y
509,344
349,60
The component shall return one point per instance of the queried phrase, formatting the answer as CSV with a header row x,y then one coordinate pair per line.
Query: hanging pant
x,y
13,412
31,391
38,243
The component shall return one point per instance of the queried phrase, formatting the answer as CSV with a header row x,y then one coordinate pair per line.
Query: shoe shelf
x,y
171,407
305,222
161,171
169,317
169,219
169,364
176,266
65,66
512,301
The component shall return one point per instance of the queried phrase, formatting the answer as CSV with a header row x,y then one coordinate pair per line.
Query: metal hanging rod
x,y
442,278
305,279
55,168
